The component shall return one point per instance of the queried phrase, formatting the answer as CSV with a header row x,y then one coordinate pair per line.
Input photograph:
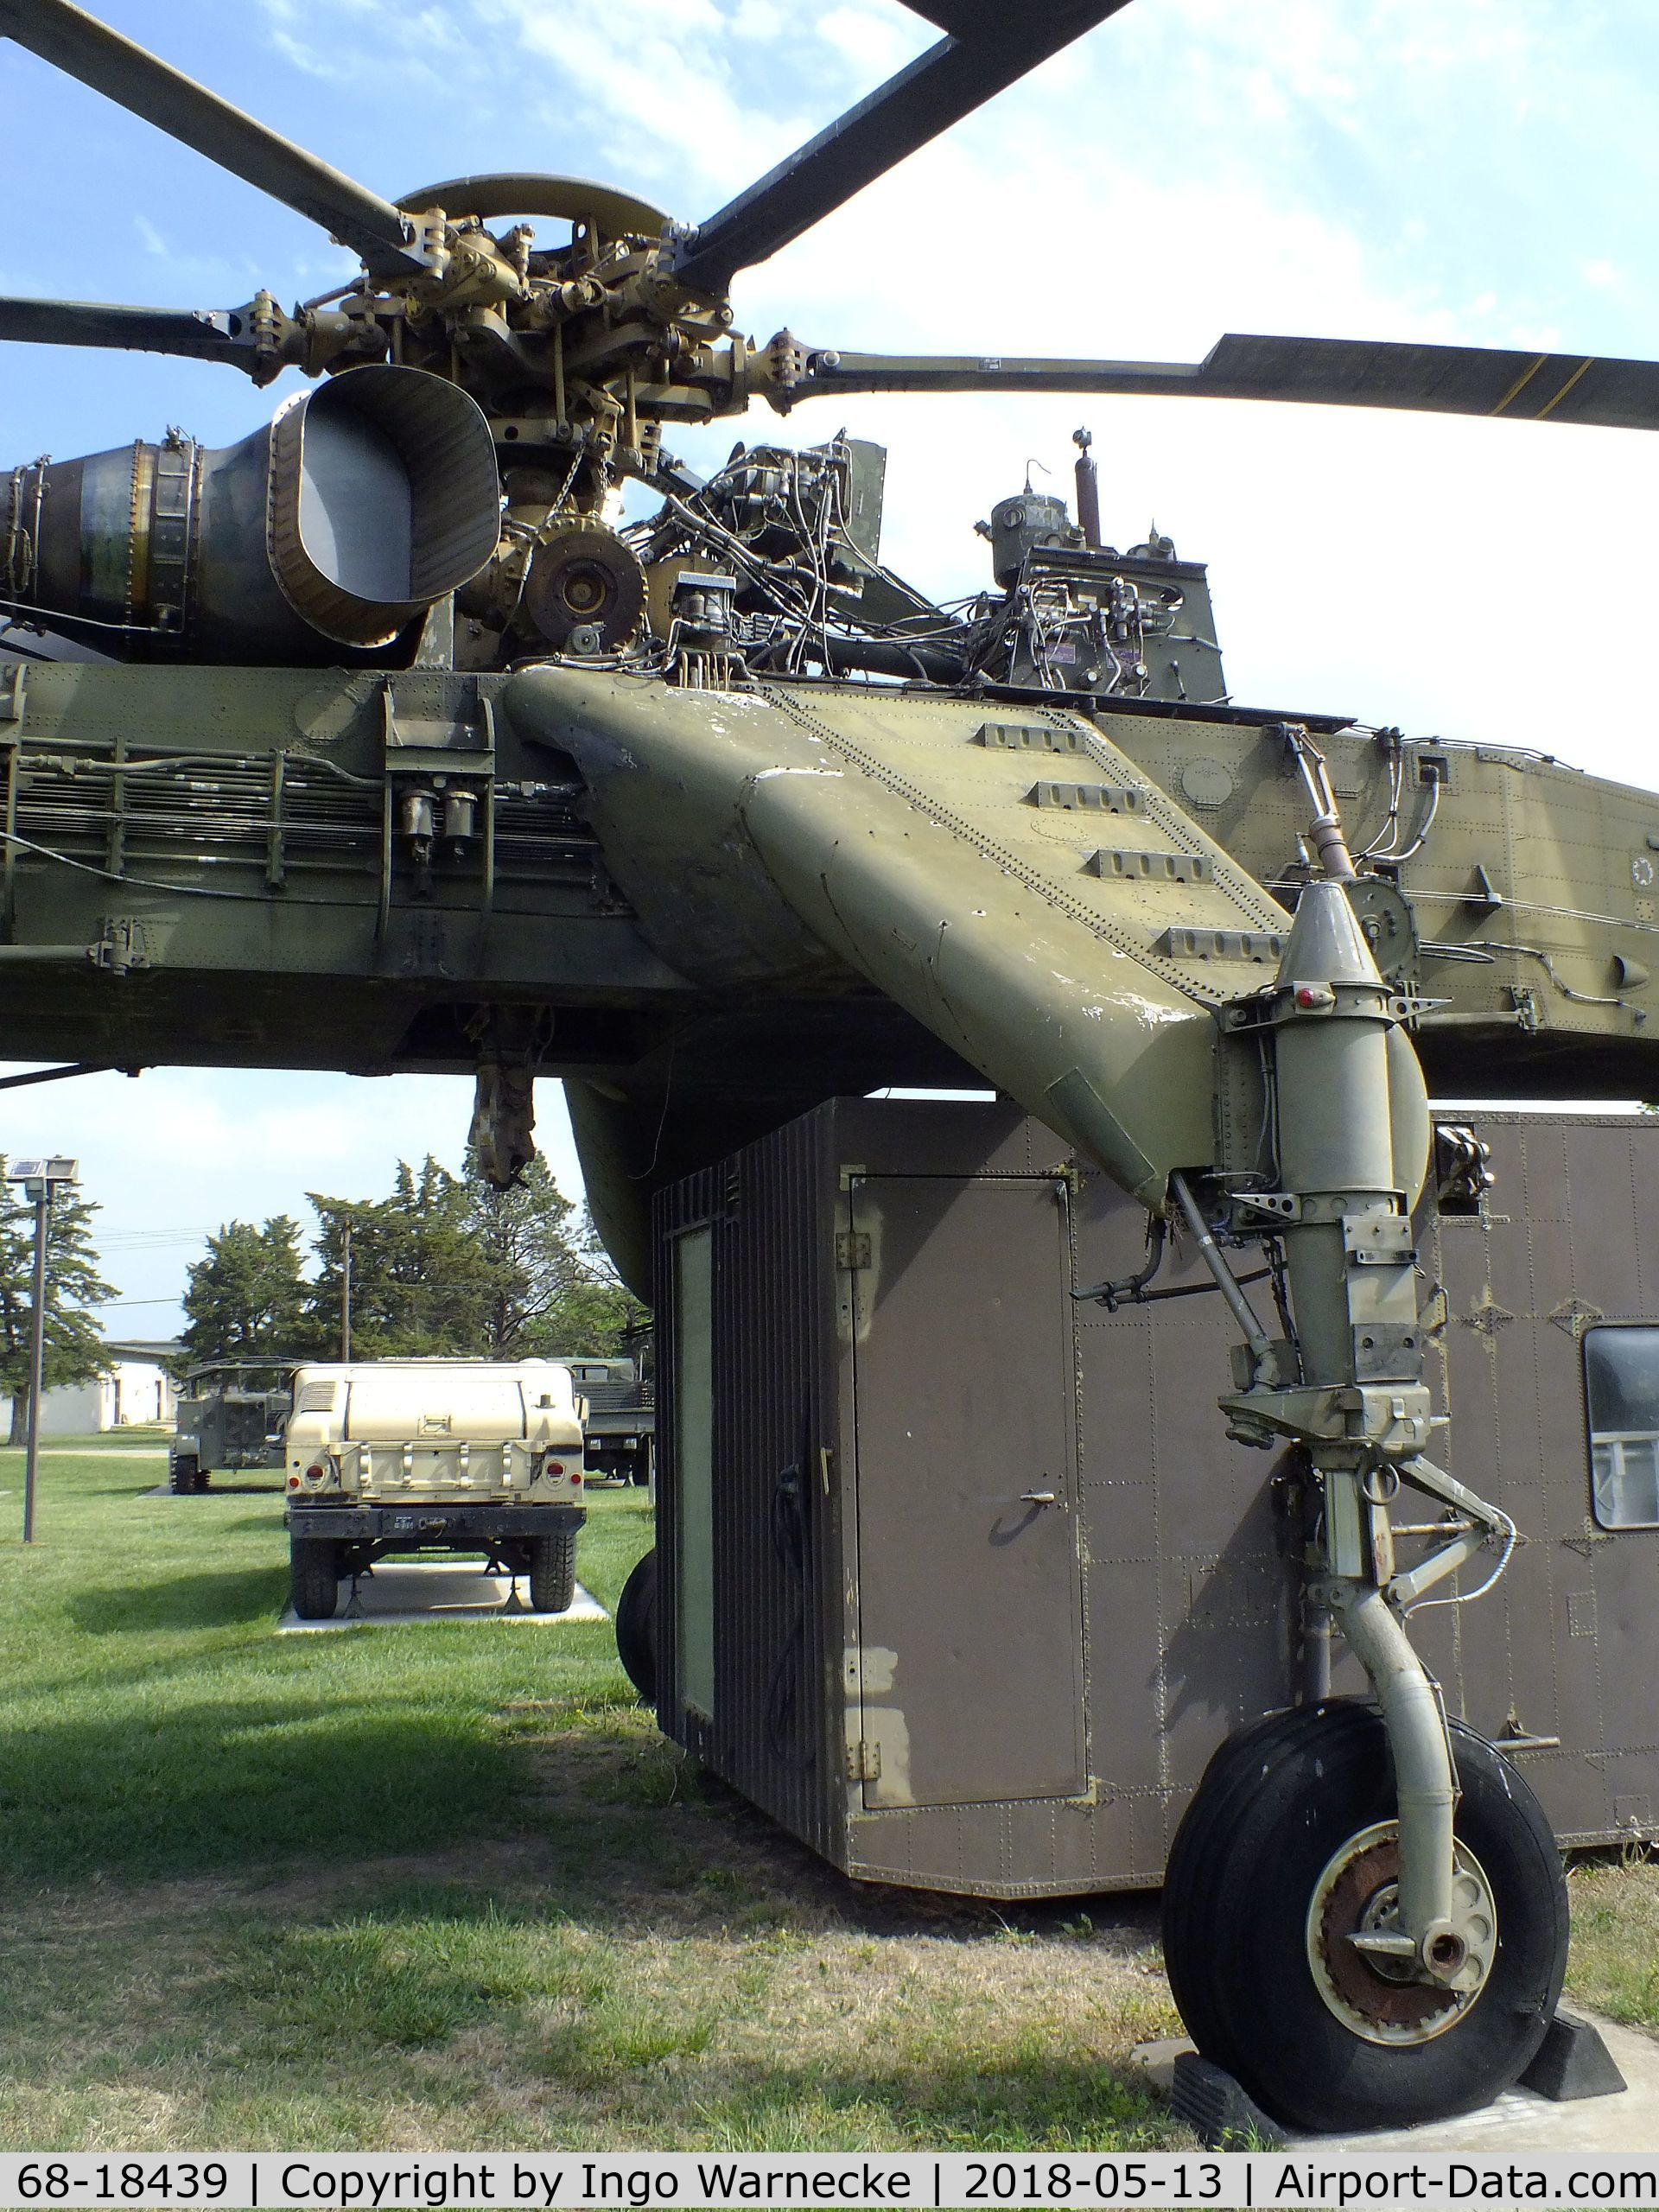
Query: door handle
x,y
1039,1497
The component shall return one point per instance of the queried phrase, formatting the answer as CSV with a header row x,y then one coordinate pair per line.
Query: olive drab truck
x,y
231,1415
408,1456
618,1419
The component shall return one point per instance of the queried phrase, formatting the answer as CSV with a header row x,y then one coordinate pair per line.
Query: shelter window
x,y
1621,1390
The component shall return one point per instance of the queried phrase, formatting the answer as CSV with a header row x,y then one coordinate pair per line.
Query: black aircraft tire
x,y
636,1627
315,1576
1194,1868
553,1571
1320,1783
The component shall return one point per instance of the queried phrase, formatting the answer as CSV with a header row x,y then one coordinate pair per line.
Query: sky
x,y
1475,171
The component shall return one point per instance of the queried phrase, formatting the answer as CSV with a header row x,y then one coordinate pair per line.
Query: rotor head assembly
x,y
577,351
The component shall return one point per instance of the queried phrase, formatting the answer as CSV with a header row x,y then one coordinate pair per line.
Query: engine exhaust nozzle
x,y
337,524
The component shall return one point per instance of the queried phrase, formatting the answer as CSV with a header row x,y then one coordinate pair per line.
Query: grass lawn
x,y
435,1887
446,1887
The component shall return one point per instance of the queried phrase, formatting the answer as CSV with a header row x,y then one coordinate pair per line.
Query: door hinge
x,y
852,1249
123,945
863,1761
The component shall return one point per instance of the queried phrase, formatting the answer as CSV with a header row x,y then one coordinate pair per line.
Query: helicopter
x,y
376,741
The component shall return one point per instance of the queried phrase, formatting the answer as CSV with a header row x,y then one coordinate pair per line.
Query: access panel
x,y
969,1656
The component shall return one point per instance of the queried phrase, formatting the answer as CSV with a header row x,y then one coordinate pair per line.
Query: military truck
x,y
619,1419
231,1415
408,1456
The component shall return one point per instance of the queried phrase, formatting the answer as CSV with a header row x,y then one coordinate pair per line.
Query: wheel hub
x,y
1383,1997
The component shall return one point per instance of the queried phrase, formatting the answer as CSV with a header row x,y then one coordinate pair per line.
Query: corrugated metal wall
x,y
1567,1644
1190,1620
775,1733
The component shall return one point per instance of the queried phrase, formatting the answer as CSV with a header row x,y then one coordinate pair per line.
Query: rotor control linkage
x,y
1330,842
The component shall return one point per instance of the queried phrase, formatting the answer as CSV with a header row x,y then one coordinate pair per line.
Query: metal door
x,y
970,1661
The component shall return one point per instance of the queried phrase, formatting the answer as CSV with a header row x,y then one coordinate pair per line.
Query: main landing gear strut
x,y
1364,1919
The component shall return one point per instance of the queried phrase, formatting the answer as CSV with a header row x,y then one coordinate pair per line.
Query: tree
x,y
419,1284
599,1313
75,1348
247,1298
551,1290
448,1266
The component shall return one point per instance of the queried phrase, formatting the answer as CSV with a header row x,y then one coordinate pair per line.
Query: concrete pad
x,y
418,1594
1523,2120
219,1490
1520,2120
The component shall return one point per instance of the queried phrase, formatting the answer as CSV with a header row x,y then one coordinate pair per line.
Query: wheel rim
x,y
1376,1998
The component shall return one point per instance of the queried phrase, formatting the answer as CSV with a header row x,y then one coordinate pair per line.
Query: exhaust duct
x,y
336,525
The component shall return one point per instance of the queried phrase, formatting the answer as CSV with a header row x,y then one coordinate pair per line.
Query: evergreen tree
x,y
552,1290
337,1220
74,1349
447,1266
248,1297
419,1284
599,1313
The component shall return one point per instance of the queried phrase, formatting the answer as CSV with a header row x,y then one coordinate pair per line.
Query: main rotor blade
x,y
135,78
1318,371
989,46
200,333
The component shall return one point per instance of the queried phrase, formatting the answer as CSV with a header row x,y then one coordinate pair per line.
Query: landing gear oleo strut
x,y
1364,1918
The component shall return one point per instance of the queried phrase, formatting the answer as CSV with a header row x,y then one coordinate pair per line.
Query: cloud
x,y
178,1151
758,19
876,42
215,276
692,94
660,88
306,57
351,39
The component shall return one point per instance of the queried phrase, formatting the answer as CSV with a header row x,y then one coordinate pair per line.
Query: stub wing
x,y
1007,874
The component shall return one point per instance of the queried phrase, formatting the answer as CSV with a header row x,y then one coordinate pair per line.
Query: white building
x,y
130,1392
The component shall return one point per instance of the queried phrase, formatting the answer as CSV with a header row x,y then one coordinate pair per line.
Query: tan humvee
x,y
412,1455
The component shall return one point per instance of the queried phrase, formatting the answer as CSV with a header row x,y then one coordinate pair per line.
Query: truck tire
x,y
184,1477
636,1628
314,1575
553,1571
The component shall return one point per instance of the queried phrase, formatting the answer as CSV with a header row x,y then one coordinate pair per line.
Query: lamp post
x,y
38,1178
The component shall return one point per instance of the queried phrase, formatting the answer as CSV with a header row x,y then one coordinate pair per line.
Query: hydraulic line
x,y
1226,1282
